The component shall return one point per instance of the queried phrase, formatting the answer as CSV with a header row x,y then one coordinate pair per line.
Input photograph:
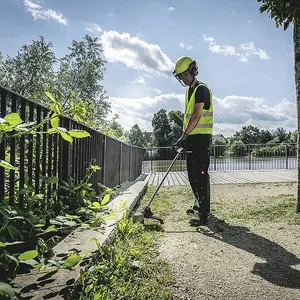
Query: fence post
x,y
215,158
104,160
151,160
130,166
249,153
65,154
120,160
286,156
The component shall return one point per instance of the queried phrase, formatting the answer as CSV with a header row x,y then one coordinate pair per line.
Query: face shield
x,y
185,78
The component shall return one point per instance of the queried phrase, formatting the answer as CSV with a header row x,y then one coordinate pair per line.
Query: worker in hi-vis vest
x,y
197,136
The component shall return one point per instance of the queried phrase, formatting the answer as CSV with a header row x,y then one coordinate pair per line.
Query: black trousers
x,y
197,168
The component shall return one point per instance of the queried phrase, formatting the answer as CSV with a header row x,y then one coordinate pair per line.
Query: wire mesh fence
x,y
227,157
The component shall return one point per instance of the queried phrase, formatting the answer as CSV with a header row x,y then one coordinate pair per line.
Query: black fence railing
x,y
227,157
41,158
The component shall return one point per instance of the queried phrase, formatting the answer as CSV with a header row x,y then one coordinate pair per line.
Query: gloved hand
x,y
180,142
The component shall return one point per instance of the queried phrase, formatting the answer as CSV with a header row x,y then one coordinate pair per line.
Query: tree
x,y
161,129
31,71
116,127
248,135
176,118
285,13
81,71
76,83
136,137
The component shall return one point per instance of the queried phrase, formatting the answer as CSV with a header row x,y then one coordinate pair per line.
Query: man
x,y
196,136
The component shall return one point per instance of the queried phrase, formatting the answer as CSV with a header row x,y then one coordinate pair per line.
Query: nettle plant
x,y
28,235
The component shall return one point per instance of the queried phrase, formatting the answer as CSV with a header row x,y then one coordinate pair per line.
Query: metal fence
x,y
43,156
227,157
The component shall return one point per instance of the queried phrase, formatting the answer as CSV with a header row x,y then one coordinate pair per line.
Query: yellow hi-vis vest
x,y
205,123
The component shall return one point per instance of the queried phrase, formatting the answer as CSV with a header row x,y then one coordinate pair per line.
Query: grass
x,y
283,210
131,268
128,269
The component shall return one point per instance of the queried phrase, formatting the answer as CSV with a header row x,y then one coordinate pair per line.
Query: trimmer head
x,y
146,214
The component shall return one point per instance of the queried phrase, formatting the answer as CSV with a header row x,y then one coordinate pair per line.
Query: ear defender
x,y
193,68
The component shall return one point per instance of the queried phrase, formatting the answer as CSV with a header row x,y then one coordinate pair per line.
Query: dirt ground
x,y
249,249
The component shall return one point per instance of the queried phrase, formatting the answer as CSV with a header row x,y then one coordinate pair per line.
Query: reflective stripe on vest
x,y
203,114
205,123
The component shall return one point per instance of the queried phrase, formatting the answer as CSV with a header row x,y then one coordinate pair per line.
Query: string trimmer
x,y
146,212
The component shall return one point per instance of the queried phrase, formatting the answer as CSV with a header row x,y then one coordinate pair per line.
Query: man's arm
x,y
193,121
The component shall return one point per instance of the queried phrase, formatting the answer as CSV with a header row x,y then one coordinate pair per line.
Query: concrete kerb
x,y
43,286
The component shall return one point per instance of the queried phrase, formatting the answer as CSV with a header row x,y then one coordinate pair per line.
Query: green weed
x,y
128,269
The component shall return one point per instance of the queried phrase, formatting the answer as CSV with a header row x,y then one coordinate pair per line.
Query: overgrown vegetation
x,y
128,269
29,229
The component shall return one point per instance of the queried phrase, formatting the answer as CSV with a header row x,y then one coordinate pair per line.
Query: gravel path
x,y
243,257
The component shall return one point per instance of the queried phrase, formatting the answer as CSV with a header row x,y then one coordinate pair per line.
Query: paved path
x,y
223,177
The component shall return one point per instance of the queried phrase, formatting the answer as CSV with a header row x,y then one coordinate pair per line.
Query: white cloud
x,y
243,52
139,79
186,47
38,12
171,8
95,28
231,112
135,53
157,91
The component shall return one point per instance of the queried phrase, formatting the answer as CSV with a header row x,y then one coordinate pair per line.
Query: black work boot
x,y
200,217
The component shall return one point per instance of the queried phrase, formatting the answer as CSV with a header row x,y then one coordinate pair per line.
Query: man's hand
x,y
180,142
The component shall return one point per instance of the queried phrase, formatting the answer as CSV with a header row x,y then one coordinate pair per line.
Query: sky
x,y
245,60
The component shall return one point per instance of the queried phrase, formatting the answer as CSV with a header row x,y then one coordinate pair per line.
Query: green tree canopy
x,y
136,137
161,128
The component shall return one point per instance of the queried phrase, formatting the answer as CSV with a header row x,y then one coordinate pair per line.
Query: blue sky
x,y
241,55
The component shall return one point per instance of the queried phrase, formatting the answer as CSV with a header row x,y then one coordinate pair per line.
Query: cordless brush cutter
x,y
146,212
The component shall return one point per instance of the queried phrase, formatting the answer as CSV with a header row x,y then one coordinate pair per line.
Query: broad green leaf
x,y
54,121
79,133
38,196
66,136
52,130
108,190
72,261
95,168
82,193
96,204
30,262
39,225
28,255
105,199
97,296
49,95
51,228
71,217
13,119
2,245
7,165
6,290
